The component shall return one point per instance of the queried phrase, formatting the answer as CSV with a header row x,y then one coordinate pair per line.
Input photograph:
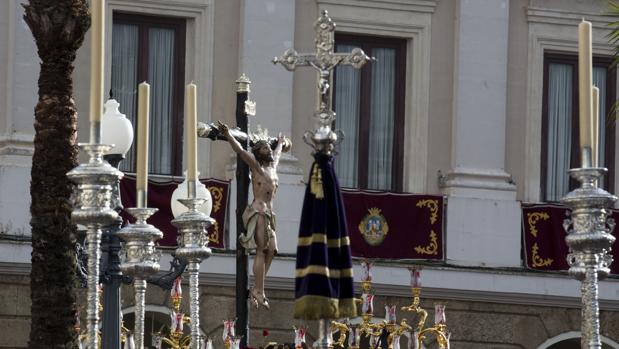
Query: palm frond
x,y
613,36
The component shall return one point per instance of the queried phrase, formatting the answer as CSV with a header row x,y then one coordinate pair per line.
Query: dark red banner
x,y
159,194
544,237
394,226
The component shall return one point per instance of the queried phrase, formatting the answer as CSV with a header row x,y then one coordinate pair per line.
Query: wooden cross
x,y
324,60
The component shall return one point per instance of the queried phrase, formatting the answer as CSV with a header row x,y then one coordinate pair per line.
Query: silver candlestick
x,y
589,239
140,259
93,209
193,246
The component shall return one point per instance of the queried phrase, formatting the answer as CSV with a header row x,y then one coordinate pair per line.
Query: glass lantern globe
x,y
181,193
116,129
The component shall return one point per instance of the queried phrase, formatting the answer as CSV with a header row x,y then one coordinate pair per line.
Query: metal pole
x,y
94,252
590,312
111,274
194,302
139,285
242,194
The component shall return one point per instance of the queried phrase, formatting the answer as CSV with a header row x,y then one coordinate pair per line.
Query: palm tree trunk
x,y
58,27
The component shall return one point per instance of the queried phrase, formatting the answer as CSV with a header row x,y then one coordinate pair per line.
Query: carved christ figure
x,y
258,217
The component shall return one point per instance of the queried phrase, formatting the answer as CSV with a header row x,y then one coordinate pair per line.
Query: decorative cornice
x,y
387,290
568,18
17,144
15,269
371,25
287,284
468,178
428,6
149,5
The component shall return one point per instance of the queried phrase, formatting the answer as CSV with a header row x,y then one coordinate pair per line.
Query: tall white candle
x,y
191,121
584,85
596,127
97,39
141,184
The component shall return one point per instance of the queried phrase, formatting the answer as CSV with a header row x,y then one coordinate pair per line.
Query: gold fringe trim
x,y
312,307
316,183
322,238
323,270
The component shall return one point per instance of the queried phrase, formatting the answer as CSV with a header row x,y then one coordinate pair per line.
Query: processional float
x,y
589,228
97,178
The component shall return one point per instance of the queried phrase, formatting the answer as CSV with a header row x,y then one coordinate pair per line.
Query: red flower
x,y
265,333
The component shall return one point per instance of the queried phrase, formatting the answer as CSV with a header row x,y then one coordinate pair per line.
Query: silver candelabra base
x,y
92,208
589,239
193,246
140,259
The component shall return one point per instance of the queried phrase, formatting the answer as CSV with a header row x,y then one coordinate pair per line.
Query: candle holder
x,y
589,239
343,328
325,336
140,259
439,330
390,326
299,337
93,209
415,307
354,337
230,340
175,339
232,343
193,246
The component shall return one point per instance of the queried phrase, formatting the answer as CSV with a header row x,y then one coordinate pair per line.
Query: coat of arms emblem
x,y
373,227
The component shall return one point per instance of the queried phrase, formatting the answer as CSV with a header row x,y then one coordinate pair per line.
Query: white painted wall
x,y
267,30
483,215
18,96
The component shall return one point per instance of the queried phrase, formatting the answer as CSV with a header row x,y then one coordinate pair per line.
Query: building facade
x,y
470,99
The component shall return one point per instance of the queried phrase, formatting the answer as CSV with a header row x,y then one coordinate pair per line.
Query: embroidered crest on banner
x,y
373,227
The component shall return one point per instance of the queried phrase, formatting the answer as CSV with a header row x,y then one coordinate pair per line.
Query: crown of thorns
x,y
259,138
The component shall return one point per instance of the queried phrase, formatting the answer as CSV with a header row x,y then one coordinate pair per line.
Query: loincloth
x,y
250,222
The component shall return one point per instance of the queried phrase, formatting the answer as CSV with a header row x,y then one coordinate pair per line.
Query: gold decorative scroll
x,y
218,194
214,235
432,247
537,260
533,218
432,205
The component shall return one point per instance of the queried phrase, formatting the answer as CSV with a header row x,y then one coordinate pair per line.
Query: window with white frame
x,y
151,49
560,127
369,103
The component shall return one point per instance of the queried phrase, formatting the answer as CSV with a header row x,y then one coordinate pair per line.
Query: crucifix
x,y
315,298
255,222
324,60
